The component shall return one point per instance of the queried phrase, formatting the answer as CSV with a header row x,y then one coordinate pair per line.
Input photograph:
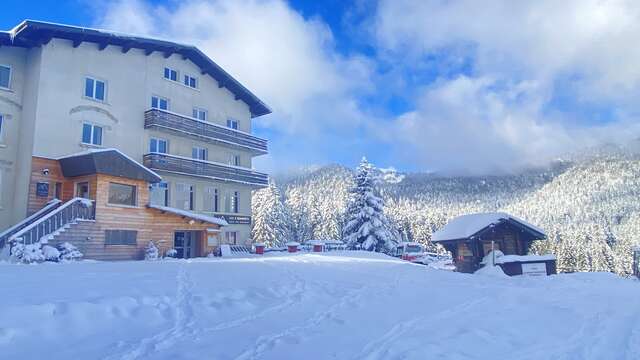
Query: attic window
x,y
191,81
170,74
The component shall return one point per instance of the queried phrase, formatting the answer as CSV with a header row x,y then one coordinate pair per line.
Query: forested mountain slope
x,y
589,206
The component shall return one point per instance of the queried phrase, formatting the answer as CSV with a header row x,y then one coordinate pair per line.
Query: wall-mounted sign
x,y
534,269
237,219
42,189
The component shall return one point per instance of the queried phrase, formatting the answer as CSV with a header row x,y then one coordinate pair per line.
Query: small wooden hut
x,y
471,237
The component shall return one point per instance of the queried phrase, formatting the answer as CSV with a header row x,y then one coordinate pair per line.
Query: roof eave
x,y
24,33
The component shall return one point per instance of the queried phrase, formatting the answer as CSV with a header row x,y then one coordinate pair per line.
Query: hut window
x,y
122,194
120,237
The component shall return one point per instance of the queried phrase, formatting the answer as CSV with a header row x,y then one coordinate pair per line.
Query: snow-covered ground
x,y
307,306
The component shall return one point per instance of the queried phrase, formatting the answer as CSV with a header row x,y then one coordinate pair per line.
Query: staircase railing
x,y
74,209
50,206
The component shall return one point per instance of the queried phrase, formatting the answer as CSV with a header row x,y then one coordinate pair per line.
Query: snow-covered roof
x,y
409,243
465,226
524,258
32,33
191,215
152,176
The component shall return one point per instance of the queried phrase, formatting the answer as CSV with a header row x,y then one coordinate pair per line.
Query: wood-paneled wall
x,y
151,224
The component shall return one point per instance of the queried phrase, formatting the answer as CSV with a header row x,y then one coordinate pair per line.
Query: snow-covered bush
x,y
171,253
27,253
151,251
68,252
50,253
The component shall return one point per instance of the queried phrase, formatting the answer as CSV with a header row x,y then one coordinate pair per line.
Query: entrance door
x,y
185,244
82,190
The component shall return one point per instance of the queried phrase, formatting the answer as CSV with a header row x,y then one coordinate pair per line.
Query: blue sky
x,y
454,86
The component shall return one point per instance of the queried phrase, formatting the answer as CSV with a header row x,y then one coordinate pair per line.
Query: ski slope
x,y
305,306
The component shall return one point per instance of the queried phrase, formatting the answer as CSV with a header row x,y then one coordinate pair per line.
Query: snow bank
x,y
513,258
309,306
493,271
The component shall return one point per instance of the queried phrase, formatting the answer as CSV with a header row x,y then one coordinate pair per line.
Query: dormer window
x,y
170,74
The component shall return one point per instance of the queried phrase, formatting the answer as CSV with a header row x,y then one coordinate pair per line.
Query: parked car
x,y
409,251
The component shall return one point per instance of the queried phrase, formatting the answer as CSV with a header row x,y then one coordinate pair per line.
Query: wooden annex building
x,y
471,237
102,198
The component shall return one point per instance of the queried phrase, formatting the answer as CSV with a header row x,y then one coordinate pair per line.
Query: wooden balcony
x,y
203,131
205,169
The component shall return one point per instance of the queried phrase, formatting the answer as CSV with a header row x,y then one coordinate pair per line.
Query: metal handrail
x,y
74,209
50,206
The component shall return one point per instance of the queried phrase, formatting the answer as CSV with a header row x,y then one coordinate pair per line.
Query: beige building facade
x,y
65,90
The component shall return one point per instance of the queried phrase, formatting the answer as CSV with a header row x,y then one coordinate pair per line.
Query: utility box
x,y
292,247
317,245
259,248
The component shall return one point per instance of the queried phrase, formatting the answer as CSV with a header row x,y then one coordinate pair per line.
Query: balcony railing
x,y
208,169
203,130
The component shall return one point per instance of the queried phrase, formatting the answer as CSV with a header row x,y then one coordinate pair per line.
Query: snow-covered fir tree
x,y
271,221
366,226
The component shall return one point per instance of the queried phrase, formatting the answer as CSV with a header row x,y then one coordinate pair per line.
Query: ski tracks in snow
x,y
265,343
183,324
379,348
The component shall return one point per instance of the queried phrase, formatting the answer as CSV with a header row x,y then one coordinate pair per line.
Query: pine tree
x,y
271,224
367,226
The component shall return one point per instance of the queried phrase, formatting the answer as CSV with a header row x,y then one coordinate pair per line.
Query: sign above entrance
x,y
236,219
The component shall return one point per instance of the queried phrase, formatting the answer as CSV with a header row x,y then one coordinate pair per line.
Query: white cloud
x,y
522,54
285,59
477,125
590,39
500,113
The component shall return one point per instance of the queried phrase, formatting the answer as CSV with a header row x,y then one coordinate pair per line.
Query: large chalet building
x,y
153,132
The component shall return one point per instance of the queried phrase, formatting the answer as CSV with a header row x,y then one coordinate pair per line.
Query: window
x,y
234,159
200,114
231,203
159,193
5,76
190,81
184,196
122,194
199,153
120,237
158,102
94,89
231,237
91,134
158,145
170,74
211,199
235,202
233,124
